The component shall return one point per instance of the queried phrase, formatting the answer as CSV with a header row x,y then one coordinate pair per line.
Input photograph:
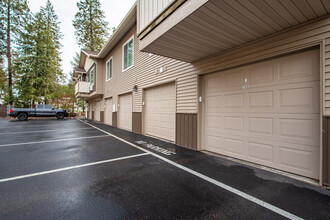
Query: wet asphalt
x,y
143,187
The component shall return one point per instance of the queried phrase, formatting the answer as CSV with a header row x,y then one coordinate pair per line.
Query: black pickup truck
x,y
40,111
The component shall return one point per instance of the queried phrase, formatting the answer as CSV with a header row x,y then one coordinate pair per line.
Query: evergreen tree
x,y
38,63
12,18
91,28
3,79
75,61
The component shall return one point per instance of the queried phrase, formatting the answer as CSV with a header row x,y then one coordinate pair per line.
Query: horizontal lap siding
x,y
305,36
145,73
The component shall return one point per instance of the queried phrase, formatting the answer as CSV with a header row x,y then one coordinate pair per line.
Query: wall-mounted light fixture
x,y
135,88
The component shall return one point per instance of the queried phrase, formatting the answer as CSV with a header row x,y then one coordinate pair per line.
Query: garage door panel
x,y
234,123
234,80
260,126
159,112
300,98
298,67
108,111
234,102
274,121
233,146
261,152
293,159
302,129
261,101
261,74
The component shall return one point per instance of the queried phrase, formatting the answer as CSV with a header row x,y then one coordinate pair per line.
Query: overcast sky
x,y
115,11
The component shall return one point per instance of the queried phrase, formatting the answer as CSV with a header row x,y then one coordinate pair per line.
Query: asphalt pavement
x,y
78,169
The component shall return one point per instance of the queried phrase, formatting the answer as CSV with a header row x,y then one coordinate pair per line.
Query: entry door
x,y
125,112
90,110
267,113
97,111
108,111
159,112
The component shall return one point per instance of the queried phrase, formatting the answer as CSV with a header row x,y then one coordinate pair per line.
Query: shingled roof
x,y
89,52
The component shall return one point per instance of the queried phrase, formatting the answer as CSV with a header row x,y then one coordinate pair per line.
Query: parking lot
x,y
77,169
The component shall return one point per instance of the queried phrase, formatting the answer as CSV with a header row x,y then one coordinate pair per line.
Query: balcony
x,y
193,30
82,90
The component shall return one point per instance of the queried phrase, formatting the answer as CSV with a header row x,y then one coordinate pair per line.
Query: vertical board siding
x,y
186,130
102,116
137,122
145,73
326,151
114,119
150,9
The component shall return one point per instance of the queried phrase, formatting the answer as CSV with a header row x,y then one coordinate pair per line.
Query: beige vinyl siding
x,y
309,35
149,10
89,62
145,73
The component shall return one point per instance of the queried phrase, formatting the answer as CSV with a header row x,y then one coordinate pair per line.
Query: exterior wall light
x,y
135,88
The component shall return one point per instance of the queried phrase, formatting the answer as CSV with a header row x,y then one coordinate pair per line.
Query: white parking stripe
x,y
49,141
26,132
27,126
208,179
70,168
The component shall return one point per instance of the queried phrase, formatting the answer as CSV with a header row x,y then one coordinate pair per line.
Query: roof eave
x,y
124,26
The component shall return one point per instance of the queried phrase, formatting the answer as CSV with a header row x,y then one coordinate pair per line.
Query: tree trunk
x,y
91,27
10,80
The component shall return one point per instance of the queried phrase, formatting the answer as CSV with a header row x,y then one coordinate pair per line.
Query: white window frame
x,y
106,69
92,70
131,38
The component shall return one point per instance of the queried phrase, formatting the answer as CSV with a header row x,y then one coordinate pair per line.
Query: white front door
x,y
125,111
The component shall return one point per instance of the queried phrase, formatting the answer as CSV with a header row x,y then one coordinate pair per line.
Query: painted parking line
x,y
54,140
70,168
208,179
41,131
30,125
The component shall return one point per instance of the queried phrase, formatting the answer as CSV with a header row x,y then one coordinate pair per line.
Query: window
x,y
128,54
48,107
40,106
92,76
109,69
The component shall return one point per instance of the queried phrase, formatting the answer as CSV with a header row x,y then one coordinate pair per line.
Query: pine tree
x,y
38,64
12,18
91,28
3,79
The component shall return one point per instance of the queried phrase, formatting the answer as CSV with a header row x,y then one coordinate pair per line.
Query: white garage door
x,y
108,111
125,112
159,112
97,110
267,113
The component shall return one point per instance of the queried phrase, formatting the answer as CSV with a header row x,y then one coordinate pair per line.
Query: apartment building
x,y
245,79
138,91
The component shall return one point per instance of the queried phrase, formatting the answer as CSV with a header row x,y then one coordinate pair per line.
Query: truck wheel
x,y
60,116
22,116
